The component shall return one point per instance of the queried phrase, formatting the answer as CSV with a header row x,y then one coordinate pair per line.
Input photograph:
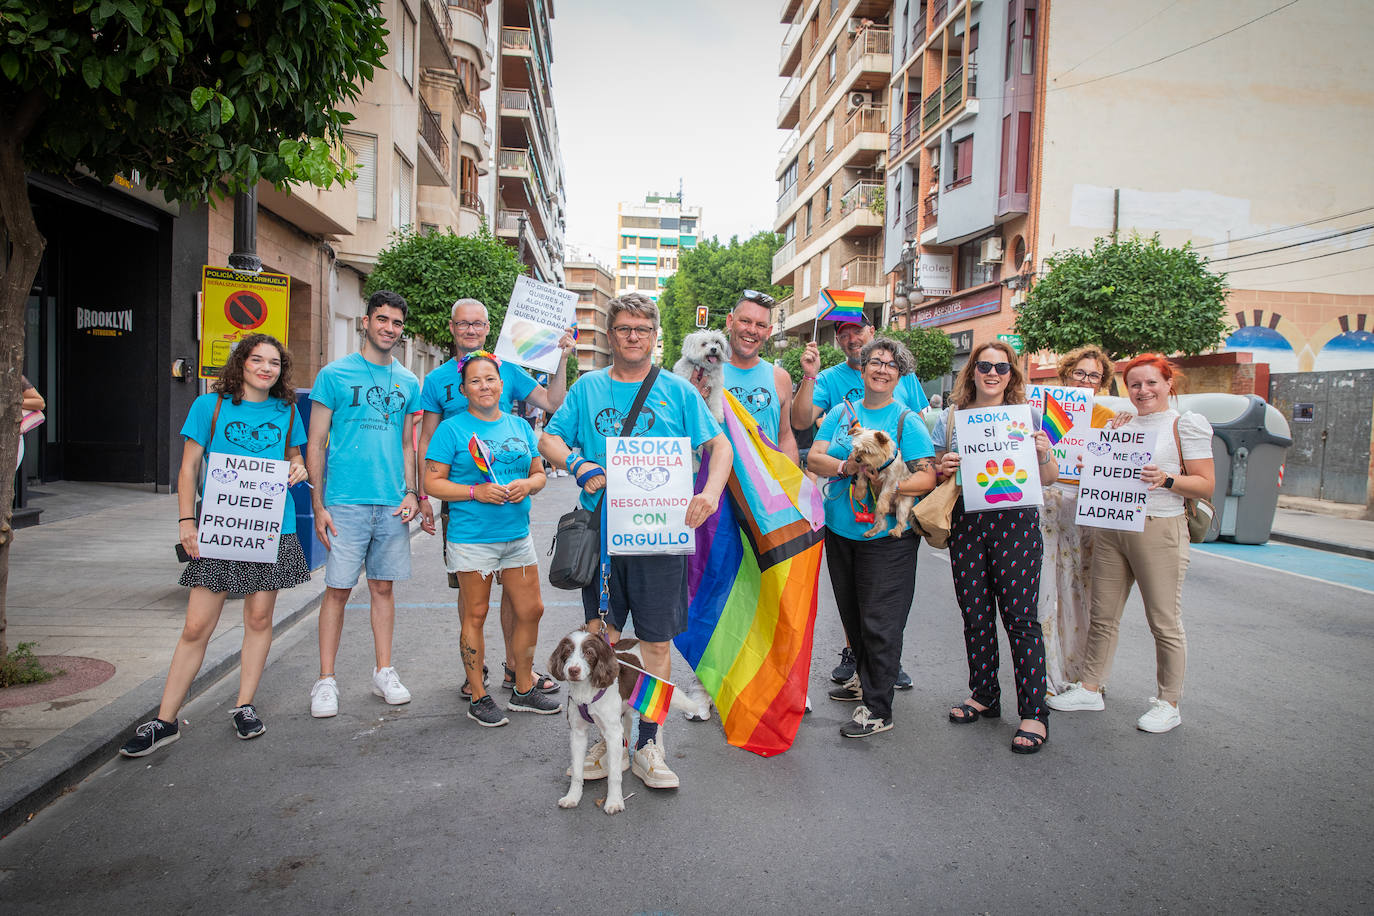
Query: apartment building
x,y
650,238
837,56
595,286
530,199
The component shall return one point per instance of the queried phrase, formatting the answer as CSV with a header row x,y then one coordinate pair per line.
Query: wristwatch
x,y
1168,482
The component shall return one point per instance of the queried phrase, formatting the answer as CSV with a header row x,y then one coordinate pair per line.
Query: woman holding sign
x,y
1156,558
251,413
485,464
874,577
996,556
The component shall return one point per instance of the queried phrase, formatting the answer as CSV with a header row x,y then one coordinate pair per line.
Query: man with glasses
x,y
441,398
764,388
650,590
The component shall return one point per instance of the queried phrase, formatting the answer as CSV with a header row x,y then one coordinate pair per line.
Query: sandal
x,y
969,713
1037,742
542,682
466,689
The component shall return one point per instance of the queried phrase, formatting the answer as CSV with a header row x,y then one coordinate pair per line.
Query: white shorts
x,y
492,557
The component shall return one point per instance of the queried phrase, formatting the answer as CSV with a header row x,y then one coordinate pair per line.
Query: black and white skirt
x,y
239,577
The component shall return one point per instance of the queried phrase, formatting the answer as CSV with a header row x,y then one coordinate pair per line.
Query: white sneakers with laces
x,y
387,685
1076,698
324,698
594,764
1161,717
649,765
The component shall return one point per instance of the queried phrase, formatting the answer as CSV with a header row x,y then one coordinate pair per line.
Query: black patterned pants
x,y
996,559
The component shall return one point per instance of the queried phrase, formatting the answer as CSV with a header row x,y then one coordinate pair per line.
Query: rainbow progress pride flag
x,y
1057,422
752,582
650,696
841,305
480,457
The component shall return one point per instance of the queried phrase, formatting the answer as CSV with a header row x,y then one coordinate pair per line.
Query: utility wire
x,y
1339,273
1300,260
1310,222
1314,239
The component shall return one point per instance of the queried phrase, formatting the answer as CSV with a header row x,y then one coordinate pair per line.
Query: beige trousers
x,y
1157,559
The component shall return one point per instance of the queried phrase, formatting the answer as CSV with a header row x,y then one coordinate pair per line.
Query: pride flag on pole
x,y
1057,421
481,457
651,695
841,305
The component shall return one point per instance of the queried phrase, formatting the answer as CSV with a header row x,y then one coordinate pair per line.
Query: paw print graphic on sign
x,y
1100,448
1016,431
1003,485
647,478
224,475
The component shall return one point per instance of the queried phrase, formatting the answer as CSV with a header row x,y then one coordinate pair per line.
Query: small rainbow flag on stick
x,y
1057,422
480,457
651,695
841,305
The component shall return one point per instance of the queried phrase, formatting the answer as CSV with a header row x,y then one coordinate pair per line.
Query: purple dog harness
x,y
582,707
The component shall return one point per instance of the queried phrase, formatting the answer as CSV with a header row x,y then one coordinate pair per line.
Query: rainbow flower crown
x,y
484,354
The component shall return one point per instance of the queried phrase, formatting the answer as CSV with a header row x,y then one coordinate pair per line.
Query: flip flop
x,y
542,682
1037,742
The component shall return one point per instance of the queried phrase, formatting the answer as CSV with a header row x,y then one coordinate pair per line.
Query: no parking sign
x,y
234,304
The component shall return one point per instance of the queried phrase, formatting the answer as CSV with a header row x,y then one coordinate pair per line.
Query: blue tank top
x,y
758,392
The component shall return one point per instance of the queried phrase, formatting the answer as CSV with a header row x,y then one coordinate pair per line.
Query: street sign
x,y
1013,339
703,316
235,304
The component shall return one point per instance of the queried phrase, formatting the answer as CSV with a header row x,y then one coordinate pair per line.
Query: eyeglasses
x,y
468,325
753,295
875,363
986,367
631,331
1080,376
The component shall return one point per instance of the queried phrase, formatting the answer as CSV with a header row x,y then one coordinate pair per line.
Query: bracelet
x,y
413,492
808,378
575,462
472,492
189,518
1048,458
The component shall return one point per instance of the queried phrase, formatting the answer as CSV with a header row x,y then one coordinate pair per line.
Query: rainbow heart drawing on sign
x,y
533,341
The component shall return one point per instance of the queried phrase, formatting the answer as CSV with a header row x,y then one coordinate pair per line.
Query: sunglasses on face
x,y
753,295
986,367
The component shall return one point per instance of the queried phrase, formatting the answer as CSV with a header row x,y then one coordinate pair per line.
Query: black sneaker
x,y
246,722
848,692
541,704
486,713
150,736
864,724
903,680
845,669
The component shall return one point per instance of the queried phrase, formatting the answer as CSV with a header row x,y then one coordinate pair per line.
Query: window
x,y
402,193
646,283
962,173
453,159
405,50
812,93
1011,38
808,219
825,270
830,66
429,228
810,154
1028,44
827,198
669,222
830,133
648,243
971,272
896,205
364,149
789,232
806,280
834,7
688,226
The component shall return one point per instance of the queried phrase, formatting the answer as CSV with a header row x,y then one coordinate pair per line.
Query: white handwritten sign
x,y
1078,404
241,511
648,488
538,315
1111,493
998,467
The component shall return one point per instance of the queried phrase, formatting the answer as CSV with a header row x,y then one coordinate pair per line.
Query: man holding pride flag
x,y
764,388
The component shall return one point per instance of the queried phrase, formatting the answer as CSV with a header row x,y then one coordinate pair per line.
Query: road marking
x,y
1273,556
452,604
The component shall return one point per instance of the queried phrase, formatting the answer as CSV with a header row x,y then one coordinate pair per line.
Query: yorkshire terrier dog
x,y
877,453
703,364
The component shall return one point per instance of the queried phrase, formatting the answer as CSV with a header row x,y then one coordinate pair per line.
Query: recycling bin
x,y
315,554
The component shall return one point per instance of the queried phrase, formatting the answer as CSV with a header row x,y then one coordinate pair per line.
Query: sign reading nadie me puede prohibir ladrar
x,y
242,509
648,489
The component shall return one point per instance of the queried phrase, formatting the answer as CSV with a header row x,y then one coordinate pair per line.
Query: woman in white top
x,y
1156,558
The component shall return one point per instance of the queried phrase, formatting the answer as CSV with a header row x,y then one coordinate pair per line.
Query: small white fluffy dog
x,y
703,364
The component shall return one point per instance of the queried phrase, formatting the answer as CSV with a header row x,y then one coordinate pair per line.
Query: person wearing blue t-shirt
x,y
651,589
874,578
365,492
442,397
764,388
820,391
251,412
489,530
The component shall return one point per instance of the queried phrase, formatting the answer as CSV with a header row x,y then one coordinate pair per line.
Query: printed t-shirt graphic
x,y
510,442
370,403
843,382
757,390
914,442
442,394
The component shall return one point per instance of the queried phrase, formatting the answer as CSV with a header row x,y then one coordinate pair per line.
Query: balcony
x,y
931,111
790,9
953,90
477,8
433,146
787,152
872,42
894,142
940,10
469,200
787,198
514,162
909,221
436,43
469,19
913,118
918,34
863,194
789,105
864,270
789,56
784,254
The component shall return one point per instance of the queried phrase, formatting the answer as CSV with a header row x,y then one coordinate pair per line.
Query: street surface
x,y
1261,802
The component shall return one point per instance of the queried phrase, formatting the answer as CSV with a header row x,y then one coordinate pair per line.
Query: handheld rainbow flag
x,y
752,582
651,695
1057,422
481,457
841,305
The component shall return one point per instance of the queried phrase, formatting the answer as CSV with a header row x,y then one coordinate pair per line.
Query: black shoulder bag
x,y
576,547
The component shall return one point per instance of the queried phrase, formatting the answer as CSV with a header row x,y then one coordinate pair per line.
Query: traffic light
x,y
703,316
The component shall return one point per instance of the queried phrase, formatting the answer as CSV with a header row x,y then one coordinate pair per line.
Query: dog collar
x,y
582,707
885,464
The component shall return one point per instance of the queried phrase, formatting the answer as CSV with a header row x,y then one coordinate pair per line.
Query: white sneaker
x,y
594,764
324,698
387,685
1076,698
1161,717
652,769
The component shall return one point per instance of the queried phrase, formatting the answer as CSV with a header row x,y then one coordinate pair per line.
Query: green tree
x,y
1131,296
434,270
713,275
791,360
932,349
202,98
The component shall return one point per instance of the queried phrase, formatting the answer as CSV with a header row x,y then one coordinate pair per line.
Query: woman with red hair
x,y
1156,558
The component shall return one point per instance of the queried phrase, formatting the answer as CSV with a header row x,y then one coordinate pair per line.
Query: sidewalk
x,y
1335,527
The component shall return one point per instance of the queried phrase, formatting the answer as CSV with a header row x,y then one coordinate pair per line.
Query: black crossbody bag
x,y
576,547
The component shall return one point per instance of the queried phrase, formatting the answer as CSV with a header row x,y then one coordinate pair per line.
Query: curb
x,y
1350,550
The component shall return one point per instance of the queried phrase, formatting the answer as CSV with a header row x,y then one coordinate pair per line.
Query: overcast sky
x,y
648,92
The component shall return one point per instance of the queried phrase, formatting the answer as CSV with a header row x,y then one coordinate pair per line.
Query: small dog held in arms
x,y
876,452
598,686
703,364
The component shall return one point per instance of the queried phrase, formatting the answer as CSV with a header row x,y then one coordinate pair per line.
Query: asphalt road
x,y
1260,802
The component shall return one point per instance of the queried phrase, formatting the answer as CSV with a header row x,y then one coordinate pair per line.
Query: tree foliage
x,y
791,360
713,274
1131,296
932,349
434,270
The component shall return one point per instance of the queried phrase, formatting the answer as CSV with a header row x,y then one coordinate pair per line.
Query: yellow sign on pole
x,y
236,304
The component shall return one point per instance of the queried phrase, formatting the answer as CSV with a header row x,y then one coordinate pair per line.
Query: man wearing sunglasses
x,y
764,388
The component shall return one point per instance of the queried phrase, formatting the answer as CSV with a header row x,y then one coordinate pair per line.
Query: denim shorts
x,y
367,536
489,558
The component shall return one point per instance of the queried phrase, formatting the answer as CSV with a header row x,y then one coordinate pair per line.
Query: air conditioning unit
x,y
854,23
990,251
860,99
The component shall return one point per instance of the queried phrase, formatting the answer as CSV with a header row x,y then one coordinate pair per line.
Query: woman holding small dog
x,y
874,447
489,528
996,557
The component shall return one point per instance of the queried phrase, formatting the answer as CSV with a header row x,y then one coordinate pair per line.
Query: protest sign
x,y
1077,404
538,315
1111,493
648,488
241,511
998,467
